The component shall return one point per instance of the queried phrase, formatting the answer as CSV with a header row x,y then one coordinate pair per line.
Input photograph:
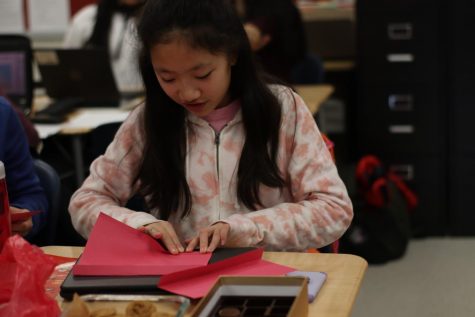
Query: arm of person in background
x,y
32,135
80,28
24,189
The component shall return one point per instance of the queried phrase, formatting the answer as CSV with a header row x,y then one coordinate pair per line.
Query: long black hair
x,y
214,26
105,10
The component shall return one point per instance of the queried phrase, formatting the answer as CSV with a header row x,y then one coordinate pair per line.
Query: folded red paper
x,y
196,282
22,216
115,249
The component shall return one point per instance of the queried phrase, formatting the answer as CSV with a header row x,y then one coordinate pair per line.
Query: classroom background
x,y
401,76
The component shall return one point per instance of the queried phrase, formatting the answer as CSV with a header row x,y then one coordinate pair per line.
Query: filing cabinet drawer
x,y
378,68
425,175
406,118
398,41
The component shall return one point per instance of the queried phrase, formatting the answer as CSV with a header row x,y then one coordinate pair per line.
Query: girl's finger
x,y
174,244
204,236
171,231
192,244
214,240
154,232
169,243
224,234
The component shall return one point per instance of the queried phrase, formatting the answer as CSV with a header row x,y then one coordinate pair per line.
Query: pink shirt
x,y
218,118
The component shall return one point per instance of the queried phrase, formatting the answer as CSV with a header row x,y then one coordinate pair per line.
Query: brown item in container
x,y
104,312
140,309
162,314
229,312
77,308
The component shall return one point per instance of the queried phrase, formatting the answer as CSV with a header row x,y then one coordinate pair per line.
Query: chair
x,y
51,184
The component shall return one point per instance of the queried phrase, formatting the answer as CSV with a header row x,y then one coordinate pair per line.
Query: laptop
x,y
78,74
16,71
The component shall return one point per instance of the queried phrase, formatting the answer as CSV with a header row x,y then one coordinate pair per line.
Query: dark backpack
x,y
381,227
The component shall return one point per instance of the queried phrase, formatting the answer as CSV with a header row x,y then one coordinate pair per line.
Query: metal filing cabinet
x,y
401,108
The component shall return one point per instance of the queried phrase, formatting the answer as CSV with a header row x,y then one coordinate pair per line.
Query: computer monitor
x,y
16,70
83,73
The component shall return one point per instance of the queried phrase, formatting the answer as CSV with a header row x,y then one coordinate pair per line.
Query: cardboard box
x,y
255,296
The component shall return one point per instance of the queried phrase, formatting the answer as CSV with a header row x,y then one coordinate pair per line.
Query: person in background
x,y
32,135
24,190
110,24
276,34
222,158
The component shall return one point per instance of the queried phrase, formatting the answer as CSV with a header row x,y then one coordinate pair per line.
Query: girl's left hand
x,y
21,227
218,233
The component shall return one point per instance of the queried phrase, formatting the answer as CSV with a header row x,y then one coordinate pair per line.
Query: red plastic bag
x,y
24,269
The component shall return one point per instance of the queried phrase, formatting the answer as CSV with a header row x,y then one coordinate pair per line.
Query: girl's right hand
x,y
164,231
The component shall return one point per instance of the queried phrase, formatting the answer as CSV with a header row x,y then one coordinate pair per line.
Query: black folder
x,y
143,285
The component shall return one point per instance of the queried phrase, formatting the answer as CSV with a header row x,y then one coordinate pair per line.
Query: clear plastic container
x,y
165,305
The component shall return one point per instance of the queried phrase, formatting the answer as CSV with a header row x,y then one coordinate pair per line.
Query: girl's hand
x,y
164,231
21,227
218,234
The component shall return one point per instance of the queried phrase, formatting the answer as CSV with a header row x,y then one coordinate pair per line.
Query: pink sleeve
x,y
320,211
112,182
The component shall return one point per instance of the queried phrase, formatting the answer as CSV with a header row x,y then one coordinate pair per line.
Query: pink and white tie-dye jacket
x,y
313,210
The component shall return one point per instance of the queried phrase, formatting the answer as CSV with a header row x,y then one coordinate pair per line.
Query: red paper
x,y
115,249
22,216
195,283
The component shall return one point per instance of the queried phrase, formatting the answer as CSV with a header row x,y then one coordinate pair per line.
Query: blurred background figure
x,y
32,136
110,24
276,34
24,189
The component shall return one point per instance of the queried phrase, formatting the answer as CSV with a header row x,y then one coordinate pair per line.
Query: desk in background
x,y
314,95
321,12
330,32
79,123
335,299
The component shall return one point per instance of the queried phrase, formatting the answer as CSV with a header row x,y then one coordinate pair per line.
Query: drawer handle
x,y
401,129
400,58
405,171
400,31
397,102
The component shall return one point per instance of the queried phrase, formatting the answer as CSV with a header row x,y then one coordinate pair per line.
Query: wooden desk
x,y
318,12
338,65
335,299
314,95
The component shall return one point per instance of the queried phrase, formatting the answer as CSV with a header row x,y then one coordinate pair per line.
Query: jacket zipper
x,y
216,142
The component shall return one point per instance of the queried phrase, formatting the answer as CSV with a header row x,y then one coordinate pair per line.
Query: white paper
x,y
11,16
92,118
47,130
48,16
83,121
